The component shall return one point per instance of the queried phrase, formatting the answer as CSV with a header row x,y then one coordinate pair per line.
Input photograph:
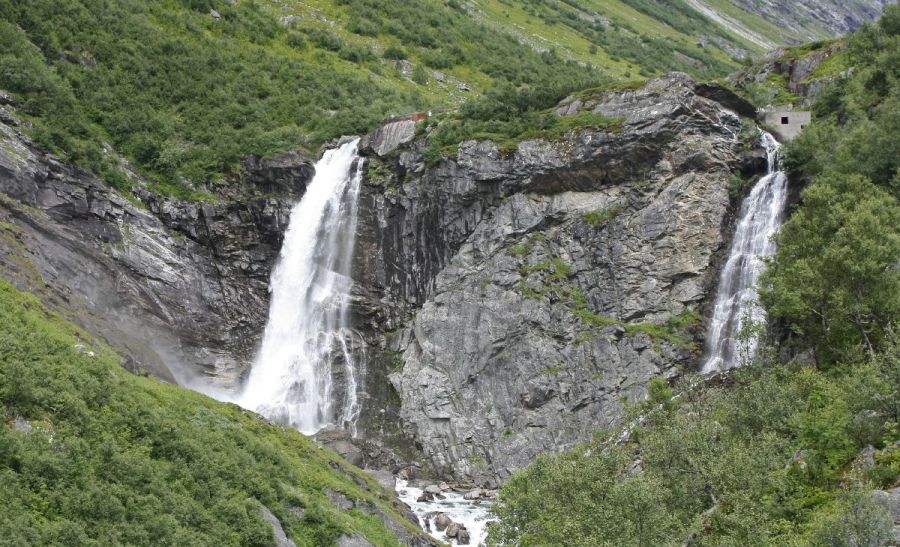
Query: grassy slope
x,y
117,459
185,95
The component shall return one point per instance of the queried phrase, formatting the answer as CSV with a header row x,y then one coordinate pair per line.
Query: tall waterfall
x,y
308,329
736,299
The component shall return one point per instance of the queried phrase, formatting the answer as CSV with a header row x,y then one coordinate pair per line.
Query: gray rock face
x,y
524,295
389,137
281,539
837,17
180,288
890,500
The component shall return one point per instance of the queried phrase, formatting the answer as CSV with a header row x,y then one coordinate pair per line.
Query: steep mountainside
x,y
534,255
525,294
813,19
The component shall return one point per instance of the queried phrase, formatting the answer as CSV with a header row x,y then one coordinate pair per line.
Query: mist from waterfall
x,y
736,298
308,329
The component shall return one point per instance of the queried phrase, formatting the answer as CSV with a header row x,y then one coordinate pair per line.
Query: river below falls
x,y
475,515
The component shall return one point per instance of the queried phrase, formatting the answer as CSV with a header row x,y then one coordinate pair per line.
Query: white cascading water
x,y
308,328
736,298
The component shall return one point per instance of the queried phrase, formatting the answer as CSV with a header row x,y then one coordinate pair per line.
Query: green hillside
x,y
93,455
185,88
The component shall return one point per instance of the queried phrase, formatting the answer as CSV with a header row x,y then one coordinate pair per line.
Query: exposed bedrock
x,y
179,287
514,300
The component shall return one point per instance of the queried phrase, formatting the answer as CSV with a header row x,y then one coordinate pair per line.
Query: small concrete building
x,y
787,123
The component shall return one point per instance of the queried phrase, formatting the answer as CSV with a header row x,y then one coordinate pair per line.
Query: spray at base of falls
x,y
736,298
308,327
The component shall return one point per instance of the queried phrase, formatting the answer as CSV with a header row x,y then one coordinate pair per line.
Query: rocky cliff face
x,y
179,287
514,300
508,301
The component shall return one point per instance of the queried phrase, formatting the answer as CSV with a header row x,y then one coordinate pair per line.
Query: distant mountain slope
x,y
812,19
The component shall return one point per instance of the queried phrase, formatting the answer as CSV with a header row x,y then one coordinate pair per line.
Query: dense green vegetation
x,y
649,52
771,455
834,282
185,94
102,457
757,462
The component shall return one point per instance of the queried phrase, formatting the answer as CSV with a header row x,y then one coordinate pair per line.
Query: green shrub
x,y
394,53
116,459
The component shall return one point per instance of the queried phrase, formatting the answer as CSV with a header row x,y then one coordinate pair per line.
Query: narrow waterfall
x,y
308,329
736,298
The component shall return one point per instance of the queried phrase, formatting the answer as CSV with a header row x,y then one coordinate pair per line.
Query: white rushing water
x,y
308,329
474,515
736,298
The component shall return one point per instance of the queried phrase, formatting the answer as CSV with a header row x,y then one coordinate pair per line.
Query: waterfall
x,y
308,327
736,298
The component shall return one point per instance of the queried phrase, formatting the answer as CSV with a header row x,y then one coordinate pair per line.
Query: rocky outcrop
x,y
519,298
180,287
389,137
797,74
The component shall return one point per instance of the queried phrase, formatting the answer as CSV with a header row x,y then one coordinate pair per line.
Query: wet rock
x,y
425,497
441,522
452,530
753,161
473,494
462,536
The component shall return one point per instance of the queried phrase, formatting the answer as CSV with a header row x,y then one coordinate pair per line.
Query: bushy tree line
x,y
93,455
834,281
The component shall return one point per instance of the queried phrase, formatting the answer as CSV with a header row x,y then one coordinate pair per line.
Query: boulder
x,y
425,497
388,137
473,494
281,539
441,522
